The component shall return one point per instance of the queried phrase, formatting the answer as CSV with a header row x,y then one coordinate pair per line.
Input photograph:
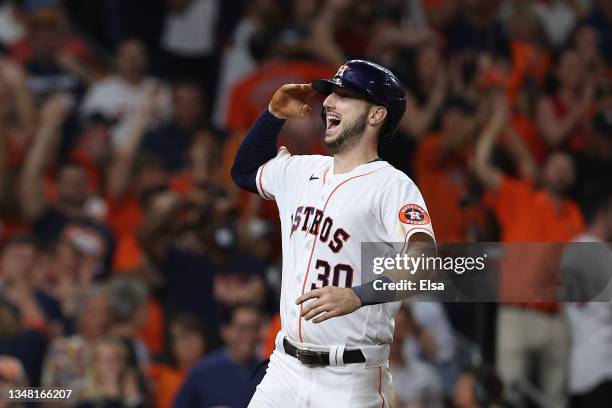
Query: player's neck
x,y
345,162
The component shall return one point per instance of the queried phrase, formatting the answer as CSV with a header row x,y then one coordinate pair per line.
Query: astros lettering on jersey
x,y
324,219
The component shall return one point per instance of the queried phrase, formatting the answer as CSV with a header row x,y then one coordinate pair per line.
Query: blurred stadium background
x,y
132,270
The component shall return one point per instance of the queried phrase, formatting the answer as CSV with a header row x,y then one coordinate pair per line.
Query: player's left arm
x,y
407,222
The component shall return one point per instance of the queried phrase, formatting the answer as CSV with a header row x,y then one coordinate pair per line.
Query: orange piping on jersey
x,y
263,193
380,387
314,245
325,175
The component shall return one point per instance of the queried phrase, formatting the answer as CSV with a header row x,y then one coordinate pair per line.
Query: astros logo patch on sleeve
x,y
413,214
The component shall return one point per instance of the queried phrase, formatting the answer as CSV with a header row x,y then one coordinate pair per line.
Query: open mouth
x,y
333,120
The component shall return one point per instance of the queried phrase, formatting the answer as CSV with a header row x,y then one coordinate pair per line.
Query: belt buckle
x,y
309,358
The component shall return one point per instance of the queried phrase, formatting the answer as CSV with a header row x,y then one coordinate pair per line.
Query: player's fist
x,y
291,101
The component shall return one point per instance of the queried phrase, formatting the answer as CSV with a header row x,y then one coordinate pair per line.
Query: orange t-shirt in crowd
x,y
269,343
166,382
443,182
152,333
529,215
527,131
123,218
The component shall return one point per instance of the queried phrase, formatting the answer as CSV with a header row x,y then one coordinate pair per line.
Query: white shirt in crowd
x,y
115,98
418,383
236,63
190,33
431,316
590,322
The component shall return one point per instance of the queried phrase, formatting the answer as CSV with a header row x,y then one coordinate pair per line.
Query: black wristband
x,y
369,295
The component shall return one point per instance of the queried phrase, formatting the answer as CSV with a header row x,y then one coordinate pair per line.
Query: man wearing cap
x,y
336,324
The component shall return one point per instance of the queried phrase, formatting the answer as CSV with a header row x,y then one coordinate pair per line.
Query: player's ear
x,y
378,114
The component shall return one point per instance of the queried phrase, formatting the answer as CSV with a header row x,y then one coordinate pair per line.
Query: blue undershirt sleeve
x,y
257,148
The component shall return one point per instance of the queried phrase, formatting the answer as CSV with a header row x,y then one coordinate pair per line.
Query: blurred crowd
x,y
133,271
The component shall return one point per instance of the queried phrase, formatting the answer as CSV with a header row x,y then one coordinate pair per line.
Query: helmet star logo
x,y
342,70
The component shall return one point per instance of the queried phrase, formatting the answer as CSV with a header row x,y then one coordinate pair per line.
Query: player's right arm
x,y
259,144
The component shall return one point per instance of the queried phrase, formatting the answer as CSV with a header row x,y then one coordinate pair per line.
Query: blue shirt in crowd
x,y
218,381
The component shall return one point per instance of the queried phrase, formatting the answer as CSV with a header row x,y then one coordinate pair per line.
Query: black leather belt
x,y
320,358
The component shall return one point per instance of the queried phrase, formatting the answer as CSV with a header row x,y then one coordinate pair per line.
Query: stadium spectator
x,y
587,267
188,344
189,40
130,178
66,358
121,95
110,379
16,340
548,216
441,169
12,376
73,195
224,377
563,117
12,27
17,119
428,90
426,78
55,59
586,41
170,140
478,388
600,18
416,382
558,19
530,51
128,309
594,163
476,28
432,340
38,310
186,276
237,60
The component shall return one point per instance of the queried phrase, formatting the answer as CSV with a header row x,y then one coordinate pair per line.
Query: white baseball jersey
x,y
324,219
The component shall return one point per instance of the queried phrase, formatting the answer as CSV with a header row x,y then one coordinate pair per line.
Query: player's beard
x,y
349,136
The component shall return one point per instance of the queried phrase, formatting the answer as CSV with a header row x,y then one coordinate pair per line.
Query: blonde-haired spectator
x,y
110,380
12,375
65,361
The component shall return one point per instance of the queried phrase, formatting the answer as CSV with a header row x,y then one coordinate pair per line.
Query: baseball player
x,y
328,206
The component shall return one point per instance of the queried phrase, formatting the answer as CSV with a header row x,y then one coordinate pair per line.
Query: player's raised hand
x,y
329,302
291,101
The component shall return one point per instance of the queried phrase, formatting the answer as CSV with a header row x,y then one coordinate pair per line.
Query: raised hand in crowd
x,y
121,169
18,108
46,142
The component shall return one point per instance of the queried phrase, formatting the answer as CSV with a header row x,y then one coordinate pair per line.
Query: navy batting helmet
x,y
375,83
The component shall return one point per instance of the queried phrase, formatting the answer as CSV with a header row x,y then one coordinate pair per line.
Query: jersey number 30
x,y
325,270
